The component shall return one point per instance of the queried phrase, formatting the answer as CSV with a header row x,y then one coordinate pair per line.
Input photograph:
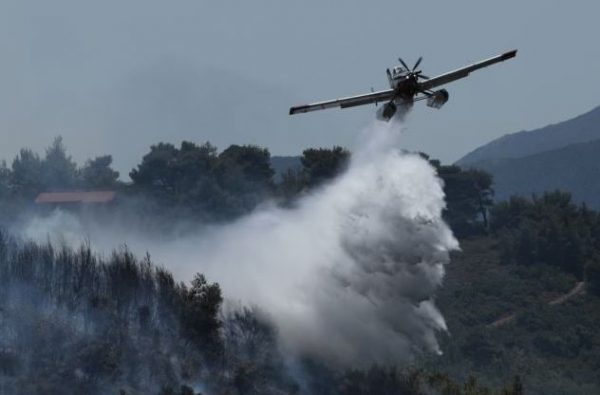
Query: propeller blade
x,y
403,64
423,76
418,63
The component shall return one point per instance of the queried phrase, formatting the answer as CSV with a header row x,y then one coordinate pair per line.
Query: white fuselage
x,y
404,83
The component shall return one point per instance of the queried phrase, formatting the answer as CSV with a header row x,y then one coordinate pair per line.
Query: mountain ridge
x,y
580,129
574,168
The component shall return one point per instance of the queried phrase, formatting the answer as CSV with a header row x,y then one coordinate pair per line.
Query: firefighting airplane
x,y
405,89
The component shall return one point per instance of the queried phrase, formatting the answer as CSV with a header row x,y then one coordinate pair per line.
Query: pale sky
x,y
117,76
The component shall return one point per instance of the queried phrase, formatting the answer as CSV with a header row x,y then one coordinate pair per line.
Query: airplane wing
x,y
346,102
464,71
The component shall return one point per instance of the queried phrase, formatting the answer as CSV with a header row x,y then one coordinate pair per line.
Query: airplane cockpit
x,y
398,71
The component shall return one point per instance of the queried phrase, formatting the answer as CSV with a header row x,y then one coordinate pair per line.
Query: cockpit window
x,y
398,70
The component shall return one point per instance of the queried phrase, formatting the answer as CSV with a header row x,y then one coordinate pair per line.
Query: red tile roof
x,y
76,197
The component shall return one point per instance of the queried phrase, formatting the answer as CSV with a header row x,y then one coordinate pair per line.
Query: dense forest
x,y
196,181
521,299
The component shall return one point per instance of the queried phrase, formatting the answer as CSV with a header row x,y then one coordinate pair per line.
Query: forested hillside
x,y
521,299
71,322
514,303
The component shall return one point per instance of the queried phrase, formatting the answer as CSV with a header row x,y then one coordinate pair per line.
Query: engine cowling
x,y
438,99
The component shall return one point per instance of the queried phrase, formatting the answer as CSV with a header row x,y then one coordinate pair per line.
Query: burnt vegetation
x,y
72,322
75,322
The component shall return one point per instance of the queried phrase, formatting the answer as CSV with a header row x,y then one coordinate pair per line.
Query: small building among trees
x,y
75,198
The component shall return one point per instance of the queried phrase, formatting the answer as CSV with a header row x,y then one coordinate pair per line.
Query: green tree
x,y
550,230
181,178
97,173
194,165
200,322
26,175
171,172
59,171
508,214
5,178
322,164
155,174
196,186
245,175
250,162
469,196
6,199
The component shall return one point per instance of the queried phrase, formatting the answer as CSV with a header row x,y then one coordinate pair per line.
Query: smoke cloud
x,y
348,276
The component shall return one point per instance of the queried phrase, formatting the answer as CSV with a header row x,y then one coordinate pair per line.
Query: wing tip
x,y
509,54
299,109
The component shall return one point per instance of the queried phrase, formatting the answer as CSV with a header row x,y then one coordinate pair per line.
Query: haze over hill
x,y
580,129
574,168
560,156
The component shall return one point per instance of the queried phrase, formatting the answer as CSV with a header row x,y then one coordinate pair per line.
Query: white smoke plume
x,y
349,276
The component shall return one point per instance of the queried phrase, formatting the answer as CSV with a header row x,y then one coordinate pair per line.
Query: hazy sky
x,y
117,76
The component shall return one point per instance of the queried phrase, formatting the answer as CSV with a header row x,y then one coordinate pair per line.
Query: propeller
x,y
414,70
403,64
417,64
417,73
